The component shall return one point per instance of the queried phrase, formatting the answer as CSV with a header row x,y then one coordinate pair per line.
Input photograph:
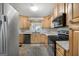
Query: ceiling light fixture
x,y
34,8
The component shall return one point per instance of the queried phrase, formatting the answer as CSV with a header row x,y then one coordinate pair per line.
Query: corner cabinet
x,y
61,51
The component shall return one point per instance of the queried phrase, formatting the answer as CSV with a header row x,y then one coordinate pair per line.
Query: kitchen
x,y
40,29
43,31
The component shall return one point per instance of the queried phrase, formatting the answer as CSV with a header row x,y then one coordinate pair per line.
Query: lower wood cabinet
x,y
44,39
61,51
74,42
35,38
21,38
39,38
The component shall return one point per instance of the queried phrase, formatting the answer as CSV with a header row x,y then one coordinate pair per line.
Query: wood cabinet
x,y
35,38
60,8
21,38
39,38
46,23
44,39
61,51
68,11
24,23
75,10
74,42
55,11
73,16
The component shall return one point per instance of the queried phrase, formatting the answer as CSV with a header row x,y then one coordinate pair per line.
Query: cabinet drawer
x,y
60,49
58,53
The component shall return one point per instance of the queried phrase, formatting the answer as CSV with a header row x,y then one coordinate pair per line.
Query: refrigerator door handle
x,y
2,43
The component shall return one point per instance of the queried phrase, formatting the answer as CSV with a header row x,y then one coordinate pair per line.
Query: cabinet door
x,y
55,11
75,10
21,38
69,13
46,23
61,8
35,38
75,42
24,22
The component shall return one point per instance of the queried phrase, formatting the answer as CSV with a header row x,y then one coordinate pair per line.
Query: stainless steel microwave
x,y
60,21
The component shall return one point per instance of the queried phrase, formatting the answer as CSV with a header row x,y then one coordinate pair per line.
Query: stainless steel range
x,y
63,34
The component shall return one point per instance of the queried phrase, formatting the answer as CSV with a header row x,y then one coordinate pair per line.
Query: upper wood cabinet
x,y
75,10
24,22
55,10
75,13
60,8
46,23
68,10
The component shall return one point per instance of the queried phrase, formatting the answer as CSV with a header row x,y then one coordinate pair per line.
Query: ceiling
x,y
44,9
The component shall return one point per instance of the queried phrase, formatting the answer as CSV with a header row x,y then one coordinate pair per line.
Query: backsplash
x,y
50,31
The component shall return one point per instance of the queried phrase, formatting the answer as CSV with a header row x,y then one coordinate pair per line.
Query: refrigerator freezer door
x,y
0,35
3,37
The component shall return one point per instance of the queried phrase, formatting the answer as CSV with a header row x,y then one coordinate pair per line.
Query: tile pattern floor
x,y
35,50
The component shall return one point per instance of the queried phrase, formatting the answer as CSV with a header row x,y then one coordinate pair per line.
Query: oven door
x,y
63,37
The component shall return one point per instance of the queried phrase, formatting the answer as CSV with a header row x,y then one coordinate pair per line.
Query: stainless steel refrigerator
x,y
9,30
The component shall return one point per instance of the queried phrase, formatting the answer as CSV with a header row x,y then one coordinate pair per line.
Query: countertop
x,y
43,31
64,44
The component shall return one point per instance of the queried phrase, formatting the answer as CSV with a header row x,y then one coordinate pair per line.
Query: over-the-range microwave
x,y
60,21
